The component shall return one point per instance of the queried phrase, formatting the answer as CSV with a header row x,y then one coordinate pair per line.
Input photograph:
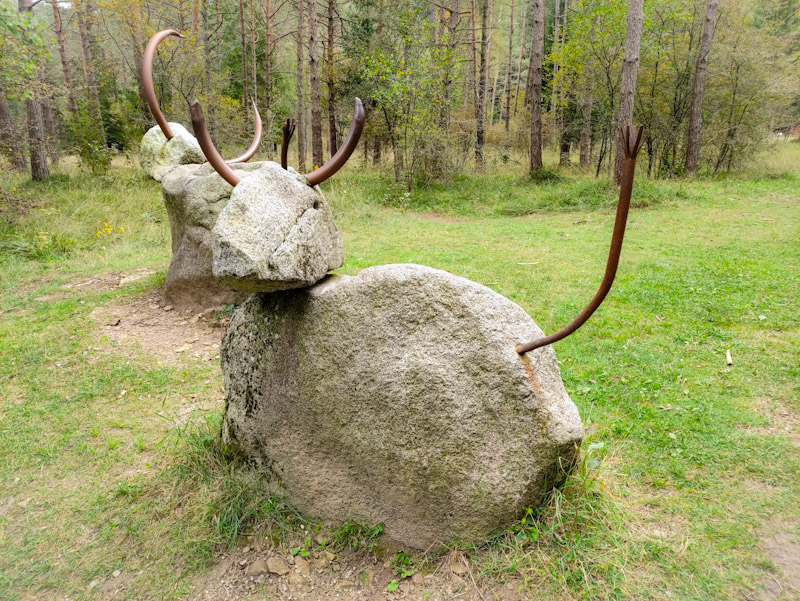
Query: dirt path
x,y
254,573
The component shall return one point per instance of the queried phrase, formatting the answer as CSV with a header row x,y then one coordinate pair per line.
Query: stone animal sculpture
x,y
272,231
400,395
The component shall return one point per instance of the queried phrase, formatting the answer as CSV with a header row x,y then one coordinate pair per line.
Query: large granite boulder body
x,y
159,156
194,196
396,396
275,233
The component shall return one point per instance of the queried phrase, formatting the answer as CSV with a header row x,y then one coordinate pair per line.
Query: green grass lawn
x,y
689,466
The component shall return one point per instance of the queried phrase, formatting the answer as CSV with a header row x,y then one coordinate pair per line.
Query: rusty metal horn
x,y
211,152
255,145
288,131
348,146
626,187
147,79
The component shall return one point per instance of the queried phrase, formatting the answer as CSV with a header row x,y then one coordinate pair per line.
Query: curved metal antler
x,y
348,146
147,79
254,146
288,131
152,99
211,152
626,187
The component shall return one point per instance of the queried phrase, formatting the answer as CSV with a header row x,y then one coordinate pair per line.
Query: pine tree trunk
x,y
313,71
490,99
268,67
83,12
195,16
243,41
62,51
521,50
472,74
554,87
452,44
9,138
181,16
301,122
50,125
37,149
333,141
535,73
507,115
698,88
253,69
137,42
219,21
36,144
586,128
630,68
208,79
376,153
480,107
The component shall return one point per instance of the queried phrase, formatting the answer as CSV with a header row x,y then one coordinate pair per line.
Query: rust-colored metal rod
x,y
147,79
625,191
211,152
288,131
255,145
350,143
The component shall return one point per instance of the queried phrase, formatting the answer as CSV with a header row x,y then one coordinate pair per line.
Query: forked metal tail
x,y
626,188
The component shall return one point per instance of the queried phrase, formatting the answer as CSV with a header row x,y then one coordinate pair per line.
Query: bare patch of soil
x,y
254,573
781,543
784,422
95,284
438,218
159,330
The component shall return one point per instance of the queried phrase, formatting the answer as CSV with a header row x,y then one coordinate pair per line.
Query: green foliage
x,y
355,535
22,46
38,246
404,565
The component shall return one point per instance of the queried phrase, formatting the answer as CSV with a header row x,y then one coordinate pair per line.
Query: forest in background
x,y
444,82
